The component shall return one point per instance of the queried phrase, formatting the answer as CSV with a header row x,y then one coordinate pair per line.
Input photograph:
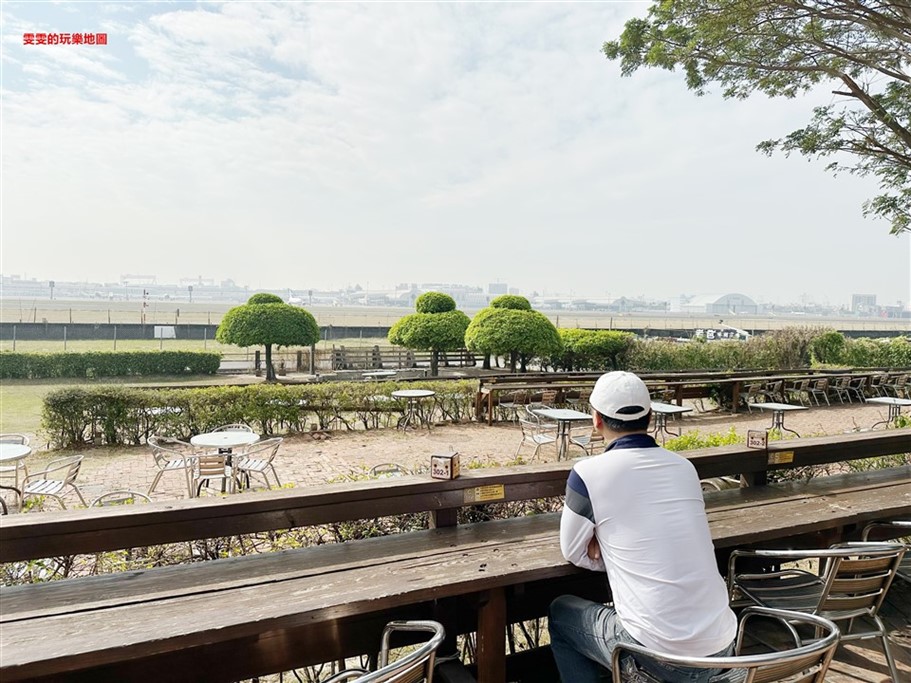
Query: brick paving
x,y
304,461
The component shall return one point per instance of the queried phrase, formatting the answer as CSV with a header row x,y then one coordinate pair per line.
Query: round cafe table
x,y
225,442
414,414
10,455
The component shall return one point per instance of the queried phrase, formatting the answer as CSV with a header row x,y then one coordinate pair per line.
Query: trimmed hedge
x,y
127,415
107,364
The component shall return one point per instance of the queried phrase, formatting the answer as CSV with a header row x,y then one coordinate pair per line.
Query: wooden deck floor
x,y
862,661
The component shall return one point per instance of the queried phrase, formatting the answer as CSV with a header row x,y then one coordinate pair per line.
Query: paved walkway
x,y
304,461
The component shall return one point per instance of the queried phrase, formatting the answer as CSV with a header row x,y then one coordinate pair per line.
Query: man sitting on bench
x,y
636,511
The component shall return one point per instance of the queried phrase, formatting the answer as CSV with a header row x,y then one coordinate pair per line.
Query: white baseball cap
x,y
621,396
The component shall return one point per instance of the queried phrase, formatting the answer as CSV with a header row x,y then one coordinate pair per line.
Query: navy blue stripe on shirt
x,y
633,441
577,498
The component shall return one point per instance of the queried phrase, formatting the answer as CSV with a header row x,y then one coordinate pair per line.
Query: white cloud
x,y
299,145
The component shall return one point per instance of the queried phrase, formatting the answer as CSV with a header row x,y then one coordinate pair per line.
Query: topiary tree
x,y
511,301
265,298
518,333
436,327
266,320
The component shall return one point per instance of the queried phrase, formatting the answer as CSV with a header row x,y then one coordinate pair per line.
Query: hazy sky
x,y
318,145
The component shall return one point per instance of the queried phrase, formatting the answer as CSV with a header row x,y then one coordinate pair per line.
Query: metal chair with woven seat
x,y
168,459
123,497
257,460
235,427
851,583
415,666
55,480
889,530
634,663
535,435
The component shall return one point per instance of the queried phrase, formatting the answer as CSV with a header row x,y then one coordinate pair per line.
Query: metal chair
x,y
258,461
857,386
44,484
388,469
586,438
820,388
416,666
511,406
885,530
209,467
798,391
634,663
167,459
234,427
124,497
852,582
841,387
535,435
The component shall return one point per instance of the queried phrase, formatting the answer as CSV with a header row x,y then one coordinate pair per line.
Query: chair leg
x,y
79,493
154,482
890,659
275,474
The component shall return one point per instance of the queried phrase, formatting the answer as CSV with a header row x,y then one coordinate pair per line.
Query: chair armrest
x,y
346,675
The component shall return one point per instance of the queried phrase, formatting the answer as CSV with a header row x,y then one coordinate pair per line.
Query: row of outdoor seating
x,y
844,388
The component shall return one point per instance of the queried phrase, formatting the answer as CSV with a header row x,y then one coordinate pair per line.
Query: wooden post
x,y
312,359
257,367
64,337
14,337
115,337
736,396
491,653
443,518
300,360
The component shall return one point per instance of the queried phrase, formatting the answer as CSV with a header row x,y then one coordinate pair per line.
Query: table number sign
x,y
444,466
757,438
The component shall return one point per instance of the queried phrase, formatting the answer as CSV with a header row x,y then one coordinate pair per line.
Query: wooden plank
x,y
116,621
26,537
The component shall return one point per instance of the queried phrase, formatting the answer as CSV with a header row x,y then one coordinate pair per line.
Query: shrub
x,y
593,349
126,415
434,302
511,301
107,364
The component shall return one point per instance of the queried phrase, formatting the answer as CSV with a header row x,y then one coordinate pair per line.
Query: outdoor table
x,y
661,411
564,417
778,411
11,454
414,415
895,407
225,442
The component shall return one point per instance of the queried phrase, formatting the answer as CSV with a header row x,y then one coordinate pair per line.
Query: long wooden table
x,y
236,618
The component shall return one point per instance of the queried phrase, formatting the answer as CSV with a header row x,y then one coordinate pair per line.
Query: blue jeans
x,y
583,635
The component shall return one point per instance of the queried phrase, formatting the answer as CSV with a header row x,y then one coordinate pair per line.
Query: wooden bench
x,y
240,617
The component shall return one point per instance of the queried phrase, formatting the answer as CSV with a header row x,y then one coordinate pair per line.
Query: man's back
x,y
647,509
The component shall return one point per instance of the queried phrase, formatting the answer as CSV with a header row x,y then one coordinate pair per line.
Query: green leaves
x,y
430,331
502,331
511,301
783,48
434,302
269,323
107,364
265,298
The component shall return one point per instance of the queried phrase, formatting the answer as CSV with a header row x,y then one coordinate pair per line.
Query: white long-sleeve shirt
x,y
644,504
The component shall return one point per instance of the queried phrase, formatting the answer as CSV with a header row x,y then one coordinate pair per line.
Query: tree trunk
x,y
523,360
270,371
513,357
485,364
434,363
